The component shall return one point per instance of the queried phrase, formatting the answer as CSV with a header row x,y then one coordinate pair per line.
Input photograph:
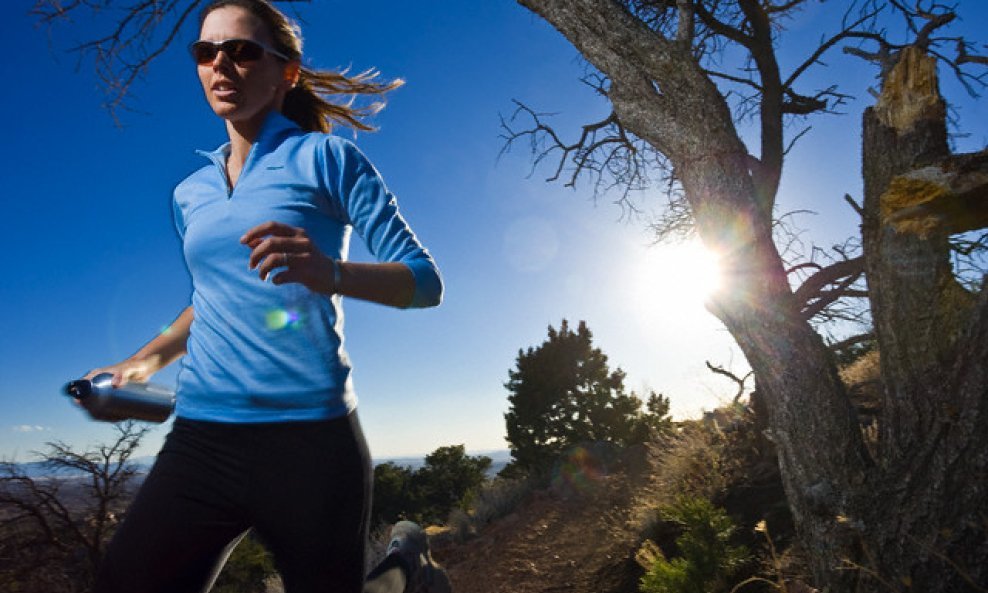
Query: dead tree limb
x,y
741,381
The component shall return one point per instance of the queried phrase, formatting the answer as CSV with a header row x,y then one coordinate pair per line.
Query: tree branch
x,y
719,370
604,151
949,197
737,79
857,207
846,33
852,341
684,33
784,7
721,28
963,57
813,286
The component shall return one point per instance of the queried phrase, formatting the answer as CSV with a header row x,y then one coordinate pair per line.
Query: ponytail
x,y
306,104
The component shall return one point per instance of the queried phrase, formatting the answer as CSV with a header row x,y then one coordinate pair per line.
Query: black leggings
x,y
304,487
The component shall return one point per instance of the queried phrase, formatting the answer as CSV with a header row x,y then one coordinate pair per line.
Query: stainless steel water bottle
x,y
139,401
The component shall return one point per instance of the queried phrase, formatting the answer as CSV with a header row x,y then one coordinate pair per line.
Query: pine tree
x,y
563,393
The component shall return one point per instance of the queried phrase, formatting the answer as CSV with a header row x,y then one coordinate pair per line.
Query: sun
x,y
677,277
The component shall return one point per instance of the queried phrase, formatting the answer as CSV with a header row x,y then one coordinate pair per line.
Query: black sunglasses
x,y
238,50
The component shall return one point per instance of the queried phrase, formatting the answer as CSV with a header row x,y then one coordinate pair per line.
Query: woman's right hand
x,y
166,347
130,370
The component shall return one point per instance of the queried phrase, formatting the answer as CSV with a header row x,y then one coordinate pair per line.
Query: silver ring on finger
x,y
284,257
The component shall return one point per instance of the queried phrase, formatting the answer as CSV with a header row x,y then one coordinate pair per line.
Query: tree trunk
x,y
933,414
823,460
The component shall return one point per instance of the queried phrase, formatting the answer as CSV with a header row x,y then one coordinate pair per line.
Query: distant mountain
x,y
39,469
499,458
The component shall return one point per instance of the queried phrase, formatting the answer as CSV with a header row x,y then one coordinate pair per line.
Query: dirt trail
x,y
580,543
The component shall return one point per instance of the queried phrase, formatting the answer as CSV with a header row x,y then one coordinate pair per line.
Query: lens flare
x,y
580,469
279,319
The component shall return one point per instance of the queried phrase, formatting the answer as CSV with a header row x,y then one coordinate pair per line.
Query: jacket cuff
x,y
428,284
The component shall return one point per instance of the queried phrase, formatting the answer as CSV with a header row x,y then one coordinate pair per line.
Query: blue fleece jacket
x,y
258,352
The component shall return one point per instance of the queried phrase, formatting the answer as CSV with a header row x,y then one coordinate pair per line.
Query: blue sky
x,y
93,267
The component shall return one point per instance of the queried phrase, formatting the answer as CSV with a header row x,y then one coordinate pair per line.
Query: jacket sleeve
x,y
373,212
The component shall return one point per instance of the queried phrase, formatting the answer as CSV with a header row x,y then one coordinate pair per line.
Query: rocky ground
x,y
577,540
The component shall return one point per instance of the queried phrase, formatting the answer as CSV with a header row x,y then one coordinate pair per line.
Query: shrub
x,y
460,525
499,498
689,462
706,557
377,545
247,569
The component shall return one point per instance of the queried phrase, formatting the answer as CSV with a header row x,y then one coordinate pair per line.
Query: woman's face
x,y
246,92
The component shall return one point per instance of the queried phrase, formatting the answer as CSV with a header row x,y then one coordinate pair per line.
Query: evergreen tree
x,y
427,495
393,496
564,393
448,480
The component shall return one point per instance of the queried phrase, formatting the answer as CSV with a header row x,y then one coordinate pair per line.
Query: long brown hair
x,y
306,103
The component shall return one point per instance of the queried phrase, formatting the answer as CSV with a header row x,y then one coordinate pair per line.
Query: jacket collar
x,y
274,129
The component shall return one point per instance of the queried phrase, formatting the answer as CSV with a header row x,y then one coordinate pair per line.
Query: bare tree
x,y
910,516
53,529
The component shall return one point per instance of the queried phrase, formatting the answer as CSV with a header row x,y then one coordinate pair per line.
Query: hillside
x,y
579,542
582,536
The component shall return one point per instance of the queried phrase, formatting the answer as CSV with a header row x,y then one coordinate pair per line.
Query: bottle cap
x,y
79,389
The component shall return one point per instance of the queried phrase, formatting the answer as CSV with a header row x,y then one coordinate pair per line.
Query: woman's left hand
x,y
276,245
